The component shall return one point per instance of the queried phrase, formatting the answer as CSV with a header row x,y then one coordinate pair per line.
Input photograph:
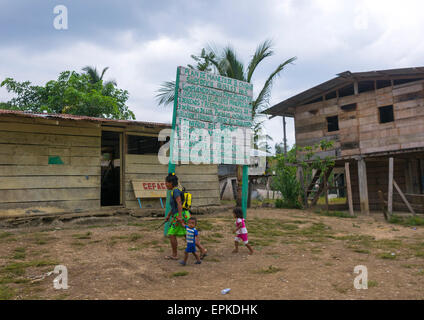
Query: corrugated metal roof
x,y
80,118
286,107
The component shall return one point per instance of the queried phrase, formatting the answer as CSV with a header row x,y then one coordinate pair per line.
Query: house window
x,y
333,123
143,145
386,114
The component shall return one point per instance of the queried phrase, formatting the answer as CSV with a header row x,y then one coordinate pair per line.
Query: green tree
x,y
71,93
286,166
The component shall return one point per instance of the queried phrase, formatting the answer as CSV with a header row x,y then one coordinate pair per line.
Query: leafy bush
x,y
286,182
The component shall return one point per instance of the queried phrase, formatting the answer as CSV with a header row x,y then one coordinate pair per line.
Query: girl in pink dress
x,y
240,231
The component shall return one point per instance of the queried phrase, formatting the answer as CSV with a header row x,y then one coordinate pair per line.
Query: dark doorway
x,y
111,169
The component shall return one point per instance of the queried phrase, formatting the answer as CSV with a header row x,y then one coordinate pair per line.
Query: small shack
x,y
65,163
372,117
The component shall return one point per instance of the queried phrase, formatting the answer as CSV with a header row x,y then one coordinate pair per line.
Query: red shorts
x,y
242,237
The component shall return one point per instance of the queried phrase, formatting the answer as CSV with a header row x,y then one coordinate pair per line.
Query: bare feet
x,y
171,258
235,251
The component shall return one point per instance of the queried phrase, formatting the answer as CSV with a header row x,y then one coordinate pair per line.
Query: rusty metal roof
x,y
60,116
286,107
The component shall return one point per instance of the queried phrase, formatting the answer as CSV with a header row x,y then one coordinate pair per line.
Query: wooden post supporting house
x,y
349,189
390,189
363,186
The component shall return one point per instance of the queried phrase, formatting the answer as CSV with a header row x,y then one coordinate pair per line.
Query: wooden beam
x,y
403,197
349,189
390,189
363,186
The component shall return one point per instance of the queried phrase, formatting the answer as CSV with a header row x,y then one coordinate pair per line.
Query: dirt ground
x,y
298,255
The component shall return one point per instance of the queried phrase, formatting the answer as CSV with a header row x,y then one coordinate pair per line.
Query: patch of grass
x,y
261,242
419,254
340,289
364,251
338,214
269,270
407,221
41,239
77,244
18,268
388,243
316,230
216,235
19,253
387,256
118,238
179,274
83,236
135,236
356,240
204,225
372,283
289,227
4,235
6,293
342,200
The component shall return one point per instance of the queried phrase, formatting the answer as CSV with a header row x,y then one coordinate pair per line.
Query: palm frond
x,y
103,73
262,100
262,51
92,73
166,93
235,68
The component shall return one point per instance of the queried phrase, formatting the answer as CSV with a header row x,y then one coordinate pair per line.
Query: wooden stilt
x,y
363,187
390,189
349,189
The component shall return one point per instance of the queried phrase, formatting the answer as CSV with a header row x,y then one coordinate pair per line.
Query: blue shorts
x,y
190,248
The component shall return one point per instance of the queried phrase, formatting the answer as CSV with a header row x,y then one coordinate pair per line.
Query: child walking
x,y
240,231
192,236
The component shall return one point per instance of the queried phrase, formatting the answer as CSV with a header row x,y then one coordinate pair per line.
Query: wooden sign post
x,y
211,123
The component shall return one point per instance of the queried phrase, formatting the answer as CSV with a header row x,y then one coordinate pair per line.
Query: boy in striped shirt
x,y
191,237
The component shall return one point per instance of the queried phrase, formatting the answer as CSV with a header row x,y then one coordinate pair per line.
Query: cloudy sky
x,y
142,42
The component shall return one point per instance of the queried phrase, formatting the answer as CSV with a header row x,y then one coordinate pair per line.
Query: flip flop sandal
x,y
171,258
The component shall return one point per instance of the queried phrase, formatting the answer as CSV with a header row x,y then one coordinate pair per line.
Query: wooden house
x,y
65,163
371,117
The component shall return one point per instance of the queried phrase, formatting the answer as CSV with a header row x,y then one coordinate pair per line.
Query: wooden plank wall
x,y
200,180
360,130
28,182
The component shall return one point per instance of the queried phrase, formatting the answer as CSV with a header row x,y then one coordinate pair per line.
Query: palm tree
x,y
226,63
95,77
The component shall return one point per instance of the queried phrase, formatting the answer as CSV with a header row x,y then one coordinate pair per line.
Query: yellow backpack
x,y
185,197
